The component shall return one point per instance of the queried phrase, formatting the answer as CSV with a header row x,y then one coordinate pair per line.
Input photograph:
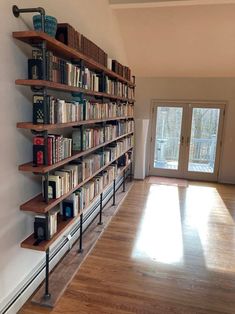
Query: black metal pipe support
x,y
16,12
47,295
101,209
114,192
131,169
80,238
124,181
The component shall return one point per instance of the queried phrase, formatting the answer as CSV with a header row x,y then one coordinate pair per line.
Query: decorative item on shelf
x,y
50,24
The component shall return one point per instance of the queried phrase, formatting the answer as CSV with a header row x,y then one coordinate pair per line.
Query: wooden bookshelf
x,y
62,225
29,167
38,205
48,127
34,38
67,88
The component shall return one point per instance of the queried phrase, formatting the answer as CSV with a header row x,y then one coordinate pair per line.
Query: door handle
x,y
182,140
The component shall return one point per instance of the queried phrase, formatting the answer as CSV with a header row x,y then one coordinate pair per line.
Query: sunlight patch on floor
x,y
160,236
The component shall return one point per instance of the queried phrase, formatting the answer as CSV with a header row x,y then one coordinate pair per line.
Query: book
x,y
41,228
38,150
54,186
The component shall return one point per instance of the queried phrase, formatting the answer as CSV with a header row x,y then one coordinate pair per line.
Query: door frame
x,y
220,138
166,172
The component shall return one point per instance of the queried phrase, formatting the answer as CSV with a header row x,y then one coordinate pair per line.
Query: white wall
x,y
96,20
210,89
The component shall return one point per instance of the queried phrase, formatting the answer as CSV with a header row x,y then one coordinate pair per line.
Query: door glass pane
x,y
204,132
168,132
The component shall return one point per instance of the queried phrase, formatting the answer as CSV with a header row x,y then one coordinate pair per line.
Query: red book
x,y
49,153
38,150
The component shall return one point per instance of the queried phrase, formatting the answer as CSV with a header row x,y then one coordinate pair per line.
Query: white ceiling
x,y
178,41
122,4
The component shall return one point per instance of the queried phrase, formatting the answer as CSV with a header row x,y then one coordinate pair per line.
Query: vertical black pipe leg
x,y
114,192
101,209
130,175
47,295
124,181
80,238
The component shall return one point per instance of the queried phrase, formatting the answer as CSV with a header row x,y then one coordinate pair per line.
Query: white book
x,y
109,63
65,176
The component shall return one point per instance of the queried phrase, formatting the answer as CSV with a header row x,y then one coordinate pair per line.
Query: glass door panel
x,y
203,139
167,137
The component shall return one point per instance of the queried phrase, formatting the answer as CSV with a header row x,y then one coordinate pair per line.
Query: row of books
x,y
61,71
83,197
58,148
116,88
69,36
64,180
45,227
72,38
95,111
93,162
95,186
86,138
120,69
61,111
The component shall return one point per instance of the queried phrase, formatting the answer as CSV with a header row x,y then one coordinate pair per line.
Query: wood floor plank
x,y
168,250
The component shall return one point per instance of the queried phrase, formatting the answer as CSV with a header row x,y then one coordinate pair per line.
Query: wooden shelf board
x,y
67,88
44,245
38,205
29,167
62,225
33,38
44,127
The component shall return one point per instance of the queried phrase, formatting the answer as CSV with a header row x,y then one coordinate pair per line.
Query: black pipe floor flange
x,y
15,11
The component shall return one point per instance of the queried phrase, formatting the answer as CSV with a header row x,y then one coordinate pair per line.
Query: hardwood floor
x,y
169,249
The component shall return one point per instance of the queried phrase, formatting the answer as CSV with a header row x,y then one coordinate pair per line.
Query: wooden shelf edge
x,y
47,127
28,243
29,167
44,245
56,46
37,205
65,88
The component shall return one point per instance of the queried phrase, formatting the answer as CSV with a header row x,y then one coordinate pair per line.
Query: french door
x,y
186,140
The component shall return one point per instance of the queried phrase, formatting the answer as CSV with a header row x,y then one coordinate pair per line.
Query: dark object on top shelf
x,y
50,24
68,36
